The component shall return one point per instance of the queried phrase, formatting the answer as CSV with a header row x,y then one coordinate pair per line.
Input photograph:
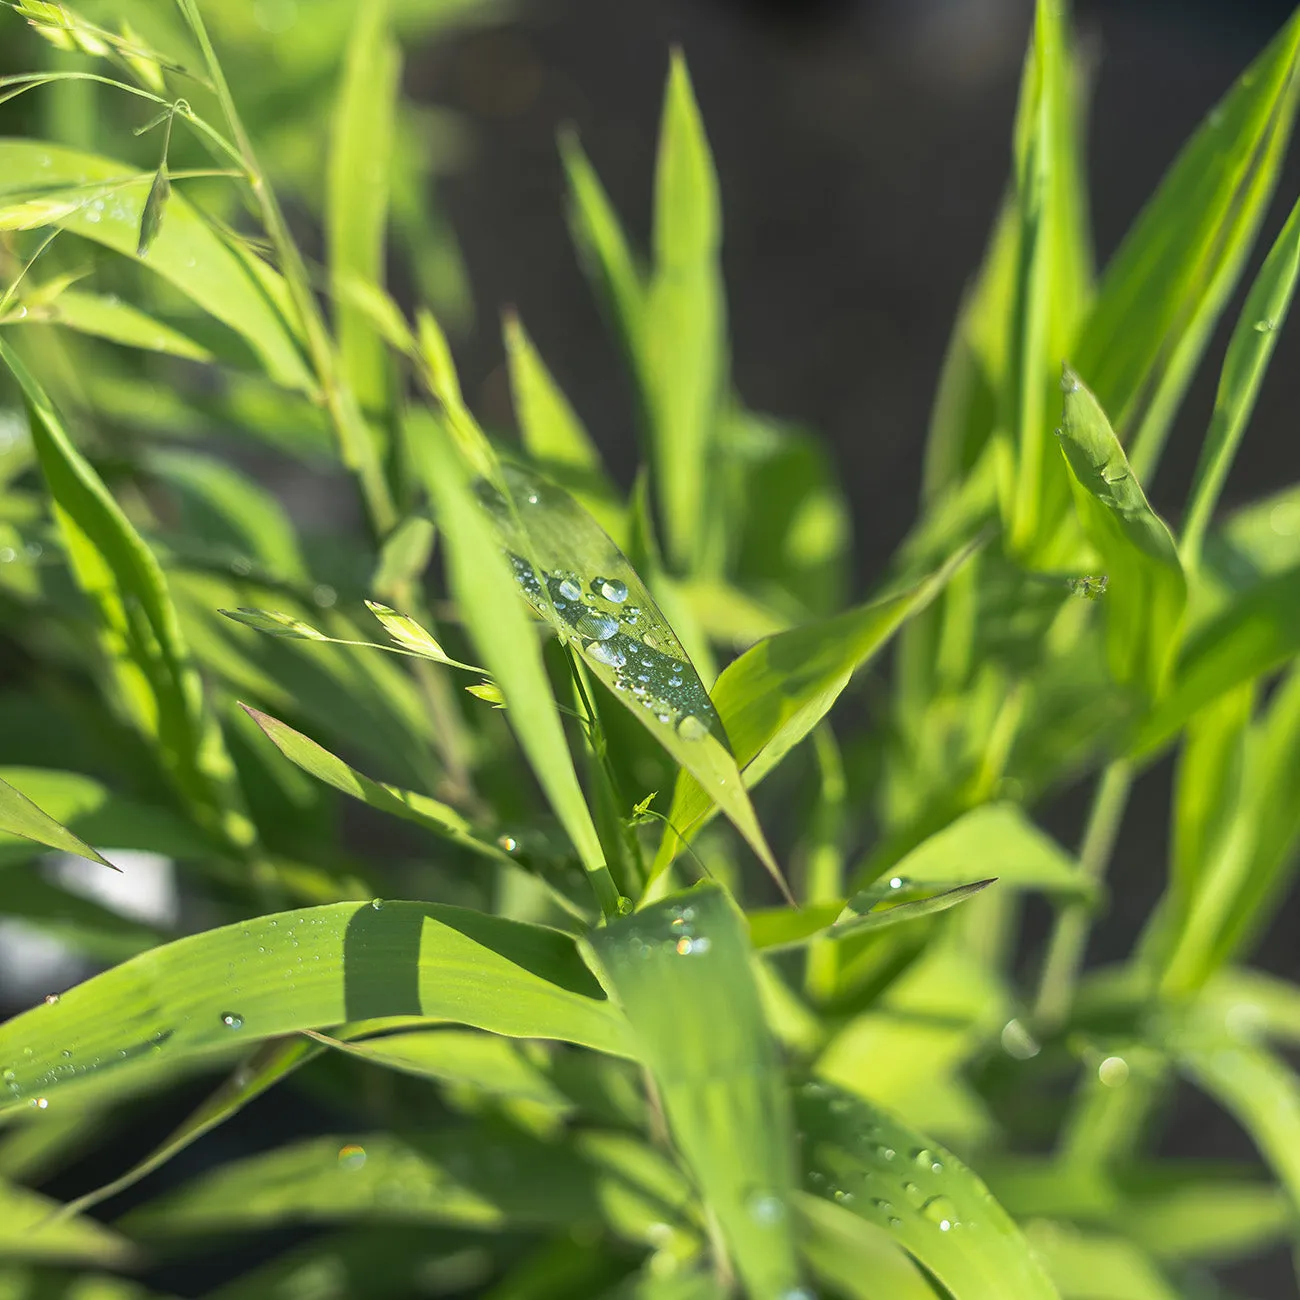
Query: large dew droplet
x,y
766,1208
692,728
232,1020
570,589
611,588
600,627
605,653
352,1156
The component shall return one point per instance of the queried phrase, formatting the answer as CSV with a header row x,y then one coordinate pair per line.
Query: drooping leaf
x,y
922,1195
226,989
681,971
138,628
186,252
1147,592
596,601
119,322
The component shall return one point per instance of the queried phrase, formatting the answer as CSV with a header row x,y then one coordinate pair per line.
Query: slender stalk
x,y
824,878
1070,936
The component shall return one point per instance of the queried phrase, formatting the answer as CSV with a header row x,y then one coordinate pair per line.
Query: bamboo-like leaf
x,y
1147,592
1249,352
684,366
780,689
186,252
1163,291
20,816
227,989
119,322
855,1257
29,1230
595,600
138,627
922,1195
681,970
487,594
360,159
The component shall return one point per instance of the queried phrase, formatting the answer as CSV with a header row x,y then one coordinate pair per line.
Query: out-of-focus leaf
x,y
684,366
1162,292
139,631
1244,366
596,601
1147,591
20,816
486,593
780,689
151,215
920,1194
187,252
28,1230
109,318
854,1256
227,989
1251,636
681,970
360,160
1085,1265
1250,1002
231,511
411,806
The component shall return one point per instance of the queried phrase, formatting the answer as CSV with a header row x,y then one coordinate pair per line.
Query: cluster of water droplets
x,y
677,938
871,1170
647,661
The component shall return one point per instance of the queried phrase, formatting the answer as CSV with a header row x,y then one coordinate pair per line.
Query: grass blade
x,y
681,971
187,252
1164,289
227,989
1147,591
923,1196
684,362
30,1230
855,1257
138,626
360,159
119,322
1249,352
780,689
20,816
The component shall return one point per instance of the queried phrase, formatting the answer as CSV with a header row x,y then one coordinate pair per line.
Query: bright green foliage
x,y
509,693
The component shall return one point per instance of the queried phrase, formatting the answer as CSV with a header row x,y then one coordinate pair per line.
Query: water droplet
x,y
886,1153
941,1211
51,999
764,1207
7,554
232,1020
1018,1042
241,565
605,653
34,550
532,498
611,588
40,1103
377,904
570,589
1264,326
625,905
926,1159
883,1206
691,728
896,882
1113,1072
352,1156
507,842
599,627
685,947
843,1197
914,1194
324,595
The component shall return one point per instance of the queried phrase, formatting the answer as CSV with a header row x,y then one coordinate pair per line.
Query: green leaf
x,y
1249,352
20,816
187,252
596,602
139,631
855,1257
1147,592
224,990
360,160
1164,289
1090,1264
603,247
684,363
411,636
151,215
681,971
770,698
119,322
922,1195
487,595
1258,1089
1251,636
28,1230
411,806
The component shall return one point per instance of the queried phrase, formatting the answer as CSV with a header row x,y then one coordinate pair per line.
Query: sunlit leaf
x,y
20,816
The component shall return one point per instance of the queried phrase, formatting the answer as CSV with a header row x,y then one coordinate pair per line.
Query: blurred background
x,y
863,146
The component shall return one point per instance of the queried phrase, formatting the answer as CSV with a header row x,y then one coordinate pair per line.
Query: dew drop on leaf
x,y
352,1156
232,1020
612,589
691,728
570,589
940,1211
377,904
